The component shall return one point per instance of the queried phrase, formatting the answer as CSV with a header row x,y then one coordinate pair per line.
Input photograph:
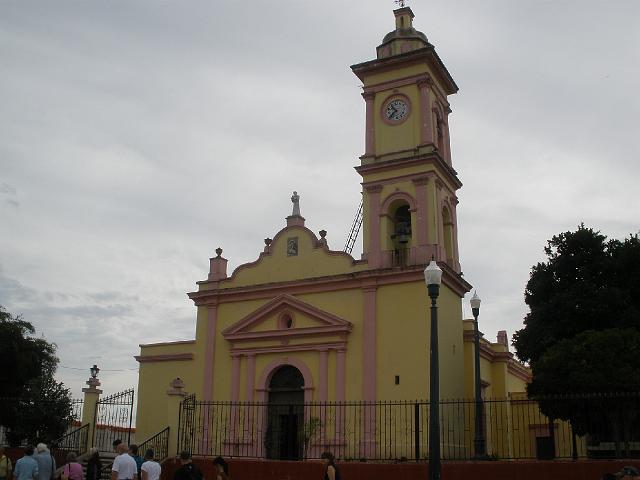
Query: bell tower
x,y
409,184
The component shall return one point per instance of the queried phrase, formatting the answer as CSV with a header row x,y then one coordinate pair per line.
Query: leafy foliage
x,y
34,406
587,283
582,334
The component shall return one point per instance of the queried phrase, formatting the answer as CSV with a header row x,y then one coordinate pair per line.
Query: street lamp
x,y
478,441
94,371
432,277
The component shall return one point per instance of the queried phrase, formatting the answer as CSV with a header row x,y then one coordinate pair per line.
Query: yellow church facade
x,y
305,324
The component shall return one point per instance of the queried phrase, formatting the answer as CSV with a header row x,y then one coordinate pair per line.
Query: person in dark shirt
x,y
188,470
133,451
94,465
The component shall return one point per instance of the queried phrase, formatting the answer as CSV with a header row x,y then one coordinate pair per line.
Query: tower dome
x,y
404,38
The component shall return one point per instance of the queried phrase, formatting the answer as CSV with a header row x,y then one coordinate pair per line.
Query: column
x,y
90,405
374,255
454,219
369,135
235,396
249,427
426,130
369,368
421,226
447,140
209,355
441,252
340,398
323,396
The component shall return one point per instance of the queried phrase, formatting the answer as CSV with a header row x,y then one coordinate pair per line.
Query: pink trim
x,y
354,280
289,333
390,99
172,357
373,255
369,347
340,375
384,209
235,378
210,350
251,377
307,347
163,344
323,390
426,130
329,323
412,159
369,139
235,396
269,370
421,210
284,231
447,140
217,269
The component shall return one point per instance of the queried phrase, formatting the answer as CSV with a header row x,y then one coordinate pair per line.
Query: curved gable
x,y
294,254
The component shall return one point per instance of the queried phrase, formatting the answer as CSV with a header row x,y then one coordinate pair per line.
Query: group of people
x,y
127,465
36,464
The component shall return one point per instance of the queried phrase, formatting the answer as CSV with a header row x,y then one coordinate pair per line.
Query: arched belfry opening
x,y
285,414
401,232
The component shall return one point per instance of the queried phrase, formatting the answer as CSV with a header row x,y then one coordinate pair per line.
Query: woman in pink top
x,y
72,470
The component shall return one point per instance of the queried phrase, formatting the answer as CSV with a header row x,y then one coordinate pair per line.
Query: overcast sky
x,y
138,136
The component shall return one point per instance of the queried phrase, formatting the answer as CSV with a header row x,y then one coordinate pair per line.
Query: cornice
x,y
432,158
427,54
173,357
344,281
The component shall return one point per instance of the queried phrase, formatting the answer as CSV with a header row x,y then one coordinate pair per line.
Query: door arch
x,y
285,414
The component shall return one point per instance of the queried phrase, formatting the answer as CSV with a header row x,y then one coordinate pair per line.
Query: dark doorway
x,y
285,414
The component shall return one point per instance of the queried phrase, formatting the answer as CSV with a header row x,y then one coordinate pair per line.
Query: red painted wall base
x,y
241,469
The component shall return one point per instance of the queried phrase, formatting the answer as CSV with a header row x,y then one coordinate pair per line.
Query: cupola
x,y
404,38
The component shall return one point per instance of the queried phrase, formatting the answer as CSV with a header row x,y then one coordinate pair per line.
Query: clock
x,y
395,110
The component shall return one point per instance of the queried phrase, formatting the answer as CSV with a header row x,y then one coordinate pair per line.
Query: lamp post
x,y
432,277
94,371
478,440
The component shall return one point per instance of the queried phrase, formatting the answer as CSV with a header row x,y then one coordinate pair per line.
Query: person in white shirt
x,y
150,468
124,466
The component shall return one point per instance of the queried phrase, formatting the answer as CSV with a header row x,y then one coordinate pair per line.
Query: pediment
x,y
307,321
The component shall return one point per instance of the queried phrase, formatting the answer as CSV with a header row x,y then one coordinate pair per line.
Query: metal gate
x,y
114,415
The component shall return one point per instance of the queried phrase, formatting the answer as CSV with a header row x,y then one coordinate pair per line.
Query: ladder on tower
x,y
355,229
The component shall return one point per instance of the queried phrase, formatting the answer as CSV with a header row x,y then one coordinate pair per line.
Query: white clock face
x,y
396,110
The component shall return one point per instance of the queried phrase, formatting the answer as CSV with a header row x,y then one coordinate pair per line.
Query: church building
x,y
307,325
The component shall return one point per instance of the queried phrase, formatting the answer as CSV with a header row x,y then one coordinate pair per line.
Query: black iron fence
x,y
114,415
596,426
77,405
75,441
159,443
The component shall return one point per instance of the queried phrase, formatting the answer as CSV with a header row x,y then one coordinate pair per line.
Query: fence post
x,y
416,429
176,394
91,397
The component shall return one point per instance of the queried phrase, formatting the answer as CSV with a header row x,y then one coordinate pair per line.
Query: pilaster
x,y
176,394
91,397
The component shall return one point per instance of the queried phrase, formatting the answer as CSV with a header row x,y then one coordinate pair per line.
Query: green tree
x,y
34,406
582,333
588,283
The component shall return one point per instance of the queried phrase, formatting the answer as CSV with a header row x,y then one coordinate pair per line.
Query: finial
x,y
400,3
323,233
295,199
218,252
267,241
